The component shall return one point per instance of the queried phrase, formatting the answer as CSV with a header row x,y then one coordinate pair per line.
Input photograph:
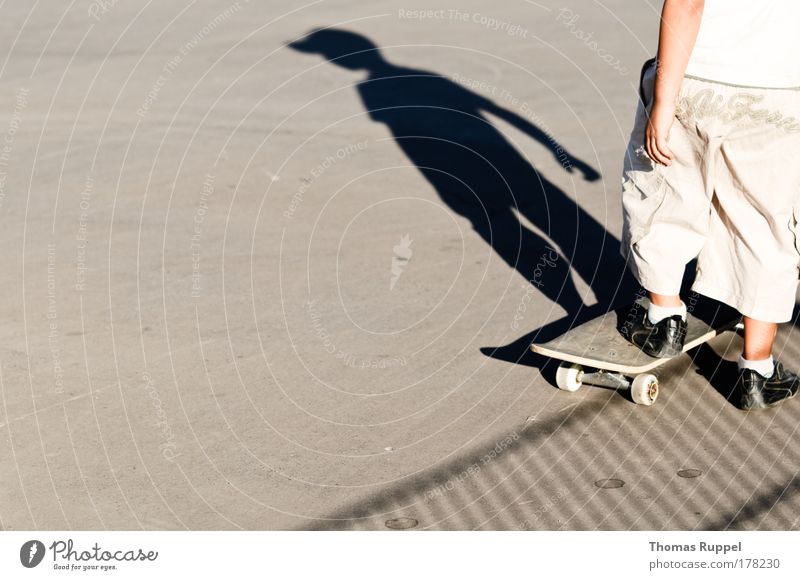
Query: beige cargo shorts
x,y
731,197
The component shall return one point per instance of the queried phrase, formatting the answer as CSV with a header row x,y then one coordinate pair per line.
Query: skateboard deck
x,y
601,342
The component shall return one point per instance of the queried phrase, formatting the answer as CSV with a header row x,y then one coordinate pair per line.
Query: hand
x,y
657,134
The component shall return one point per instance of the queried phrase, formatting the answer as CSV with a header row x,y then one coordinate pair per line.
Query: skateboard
x,y
598,353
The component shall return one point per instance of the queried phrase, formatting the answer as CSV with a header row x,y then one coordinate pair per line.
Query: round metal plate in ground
x,y
689,473
401,523
609,483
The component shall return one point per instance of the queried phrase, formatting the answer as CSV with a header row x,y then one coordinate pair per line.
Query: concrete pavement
x,y
247,287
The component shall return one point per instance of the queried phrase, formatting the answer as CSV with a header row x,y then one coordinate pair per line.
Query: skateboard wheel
x,y
644,389
569,377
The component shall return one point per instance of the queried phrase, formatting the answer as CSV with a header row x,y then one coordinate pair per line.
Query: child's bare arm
x,y
680,21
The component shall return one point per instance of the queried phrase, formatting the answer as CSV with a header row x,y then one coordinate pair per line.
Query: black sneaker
x,y
756,392
661,340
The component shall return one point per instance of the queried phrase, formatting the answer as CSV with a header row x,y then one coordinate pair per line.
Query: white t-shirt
x,y
749,42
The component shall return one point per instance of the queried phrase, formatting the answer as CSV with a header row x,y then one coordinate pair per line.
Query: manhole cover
x,y
609,483
401,523
689,473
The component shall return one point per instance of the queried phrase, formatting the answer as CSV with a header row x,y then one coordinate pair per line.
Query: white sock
x,y
763,367
658,313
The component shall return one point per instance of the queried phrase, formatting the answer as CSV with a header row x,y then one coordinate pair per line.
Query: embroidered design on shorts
x,y
740,109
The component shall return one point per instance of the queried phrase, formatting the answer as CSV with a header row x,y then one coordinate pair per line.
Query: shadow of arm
x,y
562,156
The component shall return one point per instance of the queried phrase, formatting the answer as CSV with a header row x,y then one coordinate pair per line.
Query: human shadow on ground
x,y
443,128
547,476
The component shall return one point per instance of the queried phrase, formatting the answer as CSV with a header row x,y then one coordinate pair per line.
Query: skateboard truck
x,y
643,387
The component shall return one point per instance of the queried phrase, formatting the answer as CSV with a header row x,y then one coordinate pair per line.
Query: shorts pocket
x,y
644,186
794,227
644,189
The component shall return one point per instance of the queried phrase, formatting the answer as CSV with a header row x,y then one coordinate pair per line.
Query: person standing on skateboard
x,y
712,172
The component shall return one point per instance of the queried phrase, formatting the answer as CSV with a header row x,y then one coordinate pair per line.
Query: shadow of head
x,y
346,49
